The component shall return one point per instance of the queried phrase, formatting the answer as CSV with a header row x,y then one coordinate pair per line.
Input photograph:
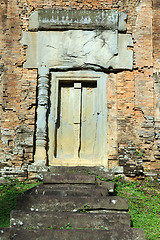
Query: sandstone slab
x,y
73,204
64,191
67,178
78,48
51,19
97,171
39,220
127,234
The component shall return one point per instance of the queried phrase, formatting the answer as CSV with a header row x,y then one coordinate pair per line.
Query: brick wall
x,y
133,96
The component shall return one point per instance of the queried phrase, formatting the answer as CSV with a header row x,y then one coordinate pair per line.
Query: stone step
x,y
68,178
61,186
64,191
48,234
39,220
107,185
54,203
71,205
98,171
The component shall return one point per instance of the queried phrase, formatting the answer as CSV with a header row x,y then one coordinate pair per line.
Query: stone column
x,y
40,157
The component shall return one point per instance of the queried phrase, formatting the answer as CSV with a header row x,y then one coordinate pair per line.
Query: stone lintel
x,y
51,19
80,49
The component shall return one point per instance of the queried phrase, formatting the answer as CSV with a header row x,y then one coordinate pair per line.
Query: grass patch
x,y
8,197
144,205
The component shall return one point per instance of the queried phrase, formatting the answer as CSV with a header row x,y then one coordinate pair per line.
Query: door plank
x,y
65,131
89,123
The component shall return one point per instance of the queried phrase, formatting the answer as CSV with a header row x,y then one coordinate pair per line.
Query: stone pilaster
x,y
40,157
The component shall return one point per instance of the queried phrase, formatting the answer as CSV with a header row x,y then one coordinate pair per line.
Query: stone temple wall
x,y
133,96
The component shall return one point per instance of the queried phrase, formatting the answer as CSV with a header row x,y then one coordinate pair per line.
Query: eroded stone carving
x,y
77,48
51,19
73,48
102,48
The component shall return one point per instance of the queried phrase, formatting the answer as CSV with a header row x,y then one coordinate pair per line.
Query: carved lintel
x,y
52,19
41,131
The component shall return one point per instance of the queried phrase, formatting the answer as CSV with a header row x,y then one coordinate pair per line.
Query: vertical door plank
x,y
89,123
65,131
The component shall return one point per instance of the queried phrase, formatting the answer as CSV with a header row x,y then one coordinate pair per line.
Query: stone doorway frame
x,y
79,76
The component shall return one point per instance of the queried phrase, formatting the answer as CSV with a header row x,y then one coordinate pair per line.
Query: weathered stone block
x,y
96,49
50,19
52,203
122,234
39,220
66,190
67,178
